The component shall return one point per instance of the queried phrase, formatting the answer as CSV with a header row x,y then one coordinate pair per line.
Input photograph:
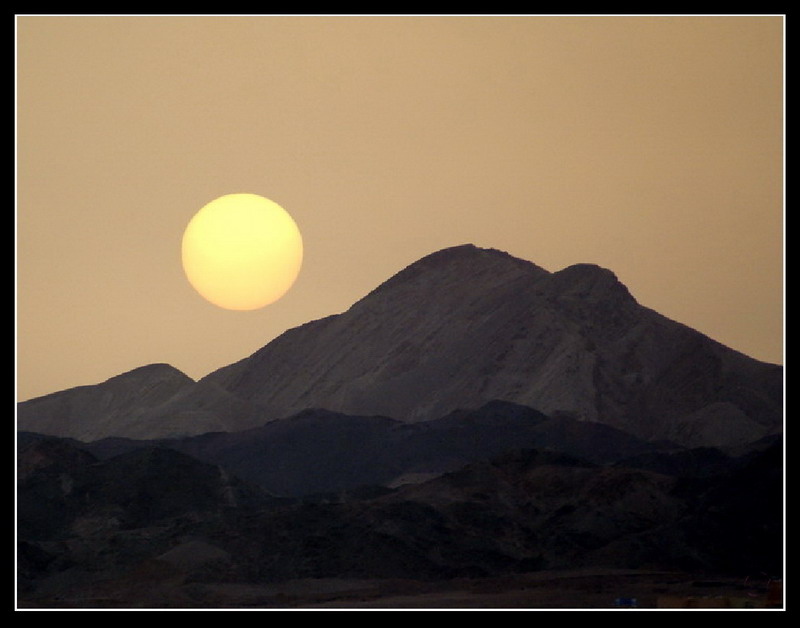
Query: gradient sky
x,y
652,146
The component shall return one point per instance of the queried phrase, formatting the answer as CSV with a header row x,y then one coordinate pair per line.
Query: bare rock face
x,y
457,329
466,325
112,407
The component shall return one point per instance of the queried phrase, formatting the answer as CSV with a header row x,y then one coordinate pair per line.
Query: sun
x,y
242,251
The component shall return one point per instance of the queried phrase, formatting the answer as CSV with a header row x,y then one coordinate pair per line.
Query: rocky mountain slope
x,y
467,325
111,407
454,330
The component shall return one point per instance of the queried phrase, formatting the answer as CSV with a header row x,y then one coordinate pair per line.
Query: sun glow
x,y
242,251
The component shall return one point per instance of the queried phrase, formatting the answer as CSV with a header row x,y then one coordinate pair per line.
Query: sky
x,y
650,145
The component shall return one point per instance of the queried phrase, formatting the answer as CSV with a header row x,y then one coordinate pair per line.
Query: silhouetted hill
x,y
79,517
739,519
152,524
529,510
48,470
698,462
59,482
318,451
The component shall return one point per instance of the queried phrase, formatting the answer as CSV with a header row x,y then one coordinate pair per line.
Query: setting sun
x,y
242,251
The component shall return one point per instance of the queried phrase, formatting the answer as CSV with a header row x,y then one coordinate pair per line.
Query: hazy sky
x,y
652,146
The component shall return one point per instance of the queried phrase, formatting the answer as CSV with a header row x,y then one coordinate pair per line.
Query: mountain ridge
x,y
465,325
90,529
318,451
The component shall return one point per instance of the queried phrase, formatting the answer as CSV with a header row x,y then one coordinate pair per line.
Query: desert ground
x,y
579,590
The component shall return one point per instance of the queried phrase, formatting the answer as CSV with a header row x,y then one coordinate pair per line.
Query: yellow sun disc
x,y
242,251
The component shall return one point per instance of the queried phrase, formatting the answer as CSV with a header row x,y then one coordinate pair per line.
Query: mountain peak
x,y
159,371
457,267
465,255
64,413
589,282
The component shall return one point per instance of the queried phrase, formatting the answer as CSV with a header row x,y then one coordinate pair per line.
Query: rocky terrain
x,y
154,528
318,451
475,432
455,330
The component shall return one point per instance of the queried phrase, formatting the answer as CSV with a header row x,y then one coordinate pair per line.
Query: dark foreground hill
x,y
318,451
456,329
155,527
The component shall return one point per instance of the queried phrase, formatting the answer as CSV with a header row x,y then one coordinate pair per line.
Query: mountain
x,y
115,406
79,517
61,486
318,451
155,527
455,330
